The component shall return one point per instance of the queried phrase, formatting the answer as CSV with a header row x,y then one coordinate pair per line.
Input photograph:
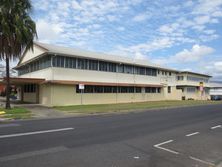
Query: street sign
x,y
81,86
201,86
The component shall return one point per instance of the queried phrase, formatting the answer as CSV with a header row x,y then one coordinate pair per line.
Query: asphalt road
x,y
180,137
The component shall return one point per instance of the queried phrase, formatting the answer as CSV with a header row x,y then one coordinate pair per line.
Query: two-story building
x,y
54,75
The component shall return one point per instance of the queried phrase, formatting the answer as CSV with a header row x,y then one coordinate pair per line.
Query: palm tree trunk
x,y
7,105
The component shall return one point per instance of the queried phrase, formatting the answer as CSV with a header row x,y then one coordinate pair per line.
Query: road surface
x,y
177,137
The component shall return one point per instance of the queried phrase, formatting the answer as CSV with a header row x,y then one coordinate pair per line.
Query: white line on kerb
x,y
202,161
34,133
215,127
165,149
192,134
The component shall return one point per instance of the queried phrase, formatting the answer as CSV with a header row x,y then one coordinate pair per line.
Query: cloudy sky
x,y
181,34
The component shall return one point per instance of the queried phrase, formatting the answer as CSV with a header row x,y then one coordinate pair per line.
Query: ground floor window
x,y
116,89
30,88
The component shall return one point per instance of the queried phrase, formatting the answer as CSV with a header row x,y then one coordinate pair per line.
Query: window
x,y
140,70
180,78
98,89
191,89
170,73
30,88
103,66
169,89
107,89
82,63
158,90
120,68
196,79
93,65
148,90
128,69
138,90
70,62
131,89
89,89
148,71
111,67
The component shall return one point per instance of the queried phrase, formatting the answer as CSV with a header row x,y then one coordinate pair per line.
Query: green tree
x,y
17,32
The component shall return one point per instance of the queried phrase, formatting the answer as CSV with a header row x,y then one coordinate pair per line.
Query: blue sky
x,y
181,34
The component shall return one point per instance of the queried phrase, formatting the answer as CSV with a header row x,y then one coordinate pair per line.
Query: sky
x,y
180,34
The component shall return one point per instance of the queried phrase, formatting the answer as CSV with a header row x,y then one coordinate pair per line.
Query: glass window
x,y
82,63
89,89
98,89
93,65
120,68
107,89
103,66
169,89
112,67
138,89
128,69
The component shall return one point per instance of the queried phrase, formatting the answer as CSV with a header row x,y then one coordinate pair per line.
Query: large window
x,y
85,64
82,63
115,89
93,65
30,88
191,89
196,79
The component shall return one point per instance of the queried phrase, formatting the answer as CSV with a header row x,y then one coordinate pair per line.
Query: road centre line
x,y
215,127
35,132
165,149
192,134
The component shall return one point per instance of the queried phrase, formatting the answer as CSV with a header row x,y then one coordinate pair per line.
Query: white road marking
x,y
192,134
215,127
202,161
34,133
165,149
33,153
136,157
169,141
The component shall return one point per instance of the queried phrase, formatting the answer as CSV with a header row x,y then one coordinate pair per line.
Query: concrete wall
x,y
30,97
32,54
113,77
66,95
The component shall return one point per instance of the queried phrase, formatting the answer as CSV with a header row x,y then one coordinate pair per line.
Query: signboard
x,y
201,86
81,86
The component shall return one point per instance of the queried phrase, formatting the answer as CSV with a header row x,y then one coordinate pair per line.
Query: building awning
x,y
65,82
19,81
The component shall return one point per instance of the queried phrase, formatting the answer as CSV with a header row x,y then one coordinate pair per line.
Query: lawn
x,y
128,107
15,113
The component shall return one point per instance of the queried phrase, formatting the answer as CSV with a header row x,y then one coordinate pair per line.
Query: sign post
x,y
201,89
81,87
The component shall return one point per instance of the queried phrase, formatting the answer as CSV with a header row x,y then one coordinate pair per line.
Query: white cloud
x,y
196,53
140,17
47,31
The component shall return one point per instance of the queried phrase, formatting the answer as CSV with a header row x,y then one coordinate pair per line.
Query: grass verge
x,y
15,113
124,107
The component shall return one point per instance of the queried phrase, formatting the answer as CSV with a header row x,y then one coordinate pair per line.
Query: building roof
x,y
189,72
61,50
215,85
95,55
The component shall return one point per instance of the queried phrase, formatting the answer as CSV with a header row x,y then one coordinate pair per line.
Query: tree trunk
x,y
7,105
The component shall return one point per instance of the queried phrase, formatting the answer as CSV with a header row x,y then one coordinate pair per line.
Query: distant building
x,y
54,75
216,90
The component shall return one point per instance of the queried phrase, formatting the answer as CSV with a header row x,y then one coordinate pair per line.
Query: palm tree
x,y
17,32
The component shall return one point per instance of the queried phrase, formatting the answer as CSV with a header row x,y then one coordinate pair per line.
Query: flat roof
x,y
189,72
